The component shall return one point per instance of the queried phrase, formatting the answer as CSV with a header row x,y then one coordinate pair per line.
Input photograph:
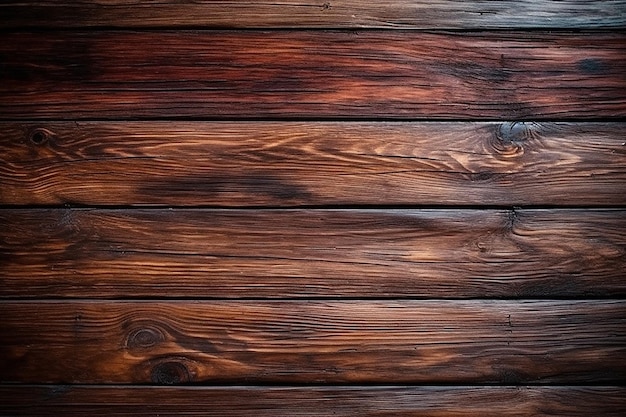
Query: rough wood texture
x,y
287,164
312,74
312,253
415,219
418,14
313,401
507,342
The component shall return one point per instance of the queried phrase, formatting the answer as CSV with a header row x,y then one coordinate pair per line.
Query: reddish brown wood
x,y
392,342
312,401
327,311
312,253
287,164
420,14
312,74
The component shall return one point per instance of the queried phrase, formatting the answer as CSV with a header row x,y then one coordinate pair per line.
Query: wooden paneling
x,y
312,74
298,217
312,253
287,164
419,14
391,342
313,401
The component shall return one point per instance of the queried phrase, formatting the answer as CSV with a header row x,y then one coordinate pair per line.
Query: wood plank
x,y
367,401
312,253
295,163
398,342
417,14
295,74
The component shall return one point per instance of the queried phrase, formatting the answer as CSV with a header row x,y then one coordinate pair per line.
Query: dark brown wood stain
x,y
306,74
402,208
313,163
313,253
351,14
507,342
368,401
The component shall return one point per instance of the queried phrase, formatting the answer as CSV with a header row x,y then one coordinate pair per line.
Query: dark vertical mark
x,y
512,218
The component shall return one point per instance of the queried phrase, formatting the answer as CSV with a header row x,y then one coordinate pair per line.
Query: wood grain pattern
x,y
312,253
312,74
295,163
417,342
312,401
286,215
417,14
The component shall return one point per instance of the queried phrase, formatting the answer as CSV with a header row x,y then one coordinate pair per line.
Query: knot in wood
x,y
40,136
144,338
170,373
509,138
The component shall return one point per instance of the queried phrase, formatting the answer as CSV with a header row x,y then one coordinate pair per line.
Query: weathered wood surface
x,y
312,163
312,74
363,401
418,14
189,138
312,253
393,342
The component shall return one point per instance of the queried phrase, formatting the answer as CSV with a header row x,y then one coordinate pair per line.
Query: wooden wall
x,y
292,208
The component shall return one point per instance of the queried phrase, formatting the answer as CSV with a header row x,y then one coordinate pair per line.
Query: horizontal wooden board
x,y
419,14
421,342
312,74
312,253
298,163
367,401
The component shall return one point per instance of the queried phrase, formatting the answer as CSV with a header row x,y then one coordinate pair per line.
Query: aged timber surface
x,y
362,401
419,14
477,341
294,163
290,208
397,342
312,253
312,74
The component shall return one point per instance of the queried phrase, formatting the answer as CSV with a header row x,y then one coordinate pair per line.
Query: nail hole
x,y
39,136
